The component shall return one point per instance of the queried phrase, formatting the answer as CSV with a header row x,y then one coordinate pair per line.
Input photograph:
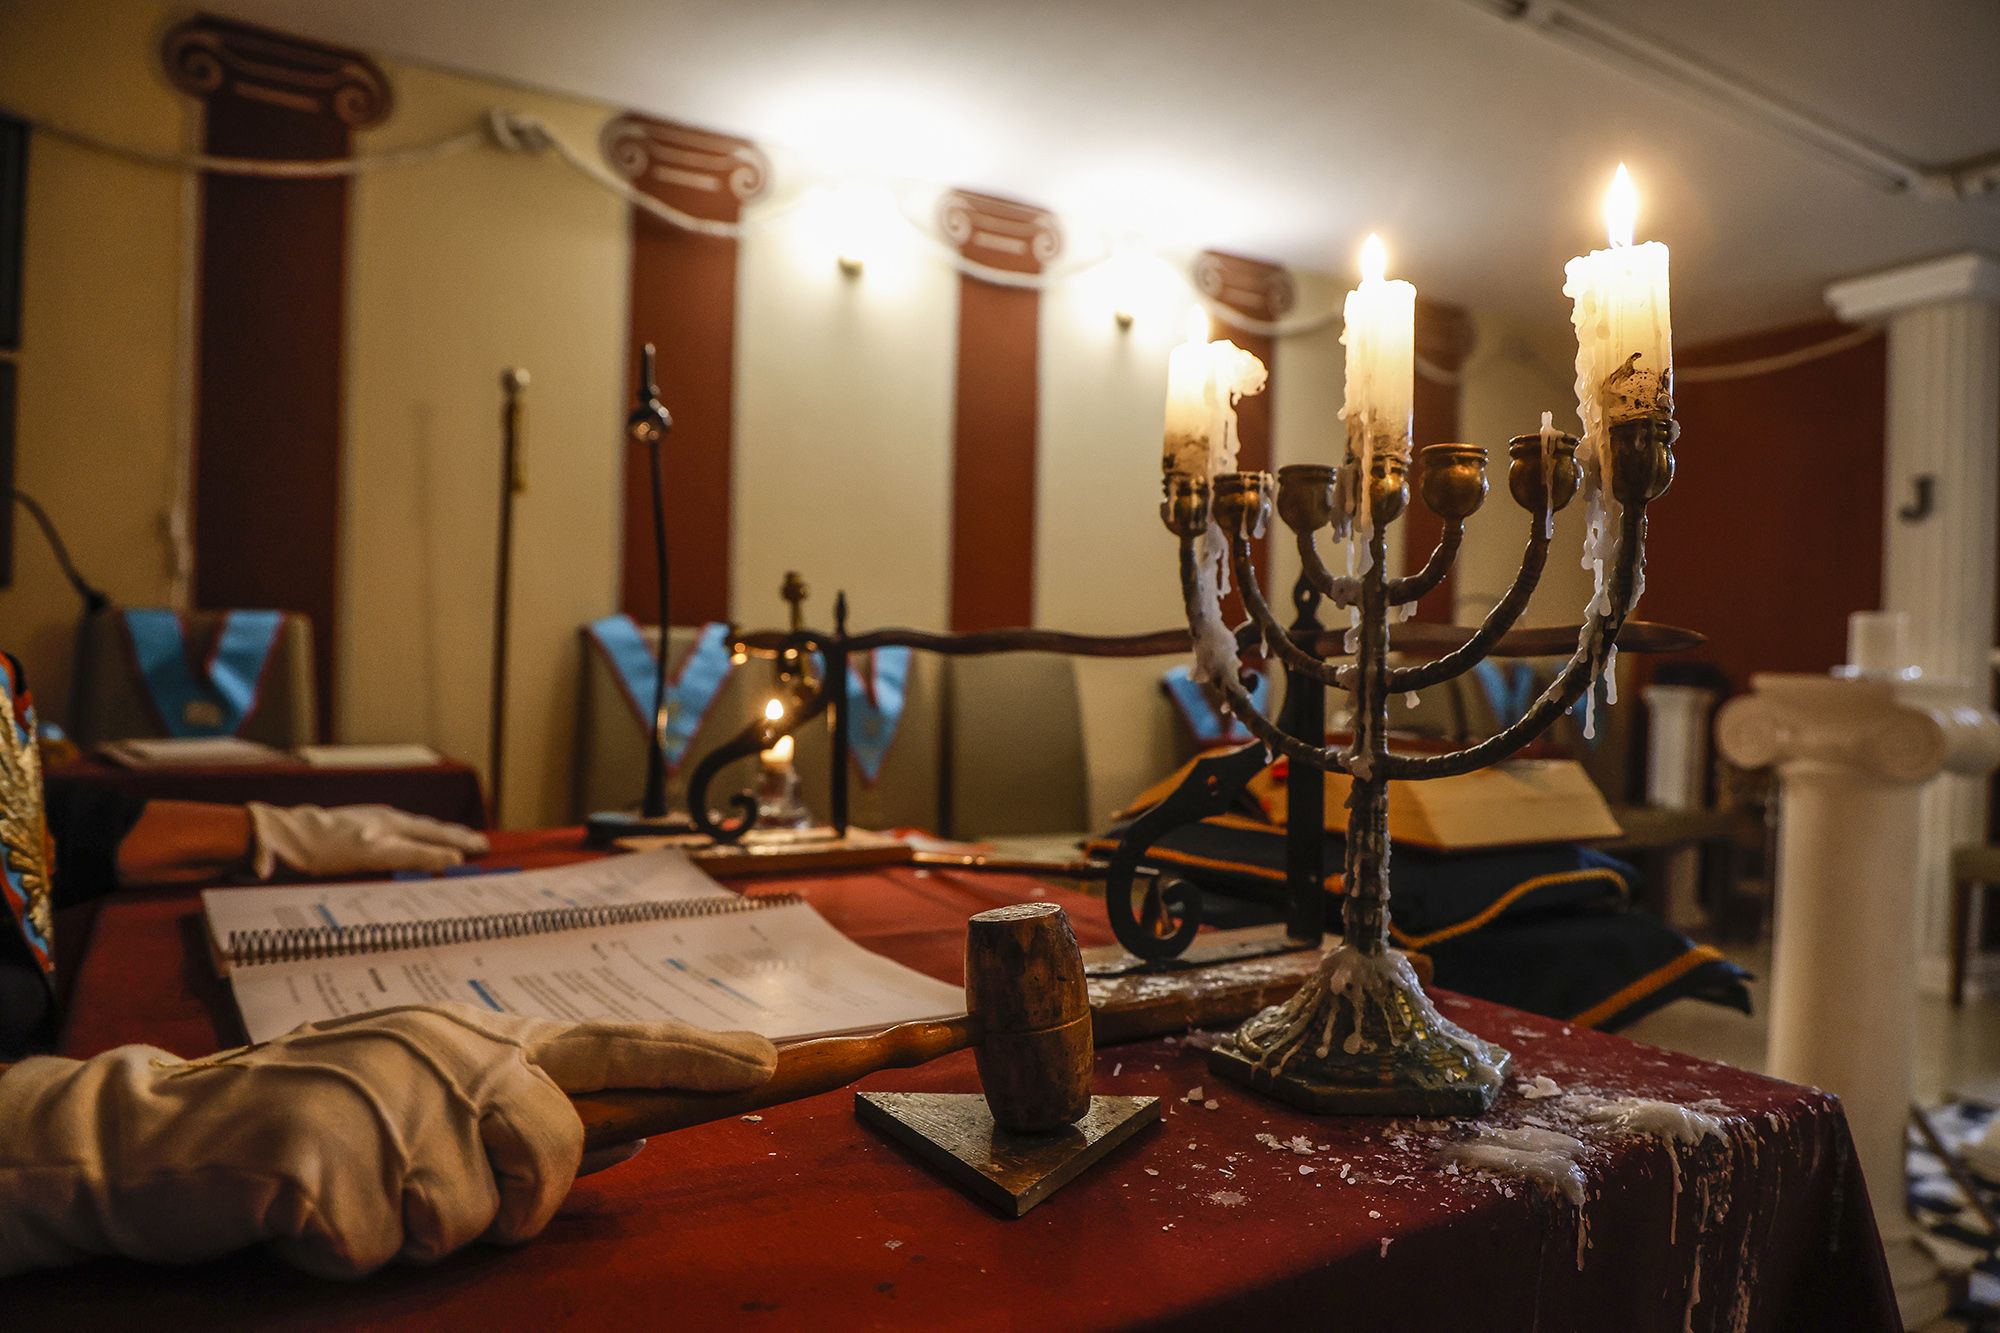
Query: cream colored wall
x,y
1103,562
842,467
1513,376
97,413
458,269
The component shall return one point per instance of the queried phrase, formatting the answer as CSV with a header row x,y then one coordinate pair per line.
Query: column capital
x,y
697,171
206,57
1863,726
1252,288
1971,276
998,232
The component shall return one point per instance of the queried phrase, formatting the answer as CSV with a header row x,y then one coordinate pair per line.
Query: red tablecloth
x,y
806,1220
445,790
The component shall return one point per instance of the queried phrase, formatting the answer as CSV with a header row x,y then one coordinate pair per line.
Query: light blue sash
x,y
220,702
690,693
1511,687
875,699
1209,724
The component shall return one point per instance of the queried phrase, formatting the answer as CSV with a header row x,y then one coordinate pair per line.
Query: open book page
x,y
663,876
784,972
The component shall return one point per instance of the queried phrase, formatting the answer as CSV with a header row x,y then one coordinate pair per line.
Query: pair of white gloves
x,y
345,1144
322,842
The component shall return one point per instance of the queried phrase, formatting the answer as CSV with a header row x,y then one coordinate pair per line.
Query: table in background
x,y
802,1219
445,790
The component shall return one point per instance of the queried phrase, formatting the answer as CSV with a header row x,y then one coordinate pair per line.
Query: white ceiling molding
x,y
1683,72
1970,276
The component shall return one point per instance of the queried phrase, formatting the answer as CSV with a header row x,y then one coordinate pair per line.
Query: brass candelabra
x,y
1361,1036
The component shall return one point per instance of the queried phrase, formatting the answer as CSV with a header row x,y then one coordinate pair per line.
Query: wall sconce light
x,y
858,218
1136,284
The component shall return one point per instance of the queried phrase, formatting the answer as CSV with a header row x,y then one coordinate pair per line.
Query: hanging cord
x,y
1294,327
1770,365
94,600
1300,325
518,132
267,168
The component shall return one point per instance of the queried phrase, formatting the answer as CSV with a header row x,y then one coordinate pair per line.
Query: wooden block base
x,y
953,1133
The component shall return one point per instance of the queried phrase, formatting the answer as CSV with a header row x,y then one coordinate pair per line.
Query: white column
x,y
1853,762
1676,779
1943,319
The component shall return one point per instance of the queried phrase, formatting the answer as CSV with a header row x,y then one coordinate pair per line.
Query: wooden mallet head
x,y
1025,991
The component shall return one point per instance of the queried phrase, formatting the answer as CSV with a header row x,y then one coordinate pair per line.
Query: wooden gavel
x,y
1027,1021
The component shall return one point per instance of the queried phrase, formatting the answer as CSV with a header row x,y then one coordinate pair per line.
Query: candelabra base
x,y
604,828
1362,1038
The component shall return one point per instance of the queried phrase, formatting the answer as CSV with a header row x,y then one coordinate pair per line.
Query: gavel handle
x,y
620,1115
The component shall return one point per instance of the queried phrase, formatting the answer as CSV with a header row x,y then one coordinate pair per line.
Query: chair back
x,y
112,704
906,792
1016,746
610,771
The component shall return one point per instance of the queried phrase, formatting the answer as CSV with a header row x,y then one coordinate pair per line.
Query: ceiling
x,y
1476,145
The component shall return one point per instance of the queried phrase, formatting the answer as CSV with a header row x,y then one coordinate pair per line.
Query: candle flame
x,y
1374,259
1621,207
774,711
1197,325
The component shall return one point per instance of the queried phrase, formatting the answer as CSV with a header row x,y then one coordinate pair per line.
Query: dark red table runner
x,y
805,1220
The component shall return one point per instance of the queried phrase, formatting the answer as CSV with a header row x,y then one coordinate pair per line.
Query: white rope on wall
x,y
518,132
1770,365
264,168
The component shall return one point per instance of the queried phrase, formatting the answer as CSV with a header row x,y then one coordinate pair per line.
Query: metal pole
x,y
836,687
649,424
513,480
1305,806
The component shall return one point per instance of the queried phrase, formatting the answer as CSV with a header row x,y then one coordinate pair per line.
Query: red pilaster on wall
x,y
272,304
684,303
995,409
1444,341
1261,293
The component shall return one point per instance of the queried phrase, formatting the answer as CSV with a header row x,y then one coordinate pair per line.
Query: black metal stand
x,y
1305,804
512,482
648,424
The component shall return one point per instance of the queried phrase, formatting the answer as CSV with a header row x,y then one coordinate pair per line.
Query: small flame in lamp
x,y
1374,259
1621,208
780,754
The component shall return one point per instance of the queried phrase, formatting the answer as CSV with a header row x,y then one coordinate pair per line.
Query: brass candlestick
x,y
1361,1036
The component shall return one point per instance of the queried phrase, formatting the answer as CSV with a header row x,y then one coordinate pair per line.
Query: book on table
x,y
638,937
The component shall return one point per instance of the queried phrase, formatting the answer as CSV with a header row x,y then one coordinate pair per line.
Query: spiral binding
x,y
250,947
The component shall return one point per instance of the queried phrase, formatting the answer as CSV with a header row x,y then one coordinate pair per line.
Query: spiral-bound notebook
x,y
643,936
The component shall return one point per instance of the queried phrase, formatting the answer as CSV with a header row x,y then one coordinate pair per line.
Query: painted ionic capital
x,y
1862,726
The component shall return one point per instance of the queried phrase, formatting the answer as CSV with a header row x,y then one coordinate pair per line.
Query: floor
x,y
1958,1051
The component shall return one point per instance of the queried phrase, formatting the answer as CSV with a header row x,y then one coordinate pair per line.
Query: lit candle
x,y
1381,339
1624,336
1624,355
779,756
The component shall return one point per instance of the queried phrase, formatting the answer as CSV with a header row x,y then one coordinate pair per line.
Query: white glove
x,y
354,840
342,1145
